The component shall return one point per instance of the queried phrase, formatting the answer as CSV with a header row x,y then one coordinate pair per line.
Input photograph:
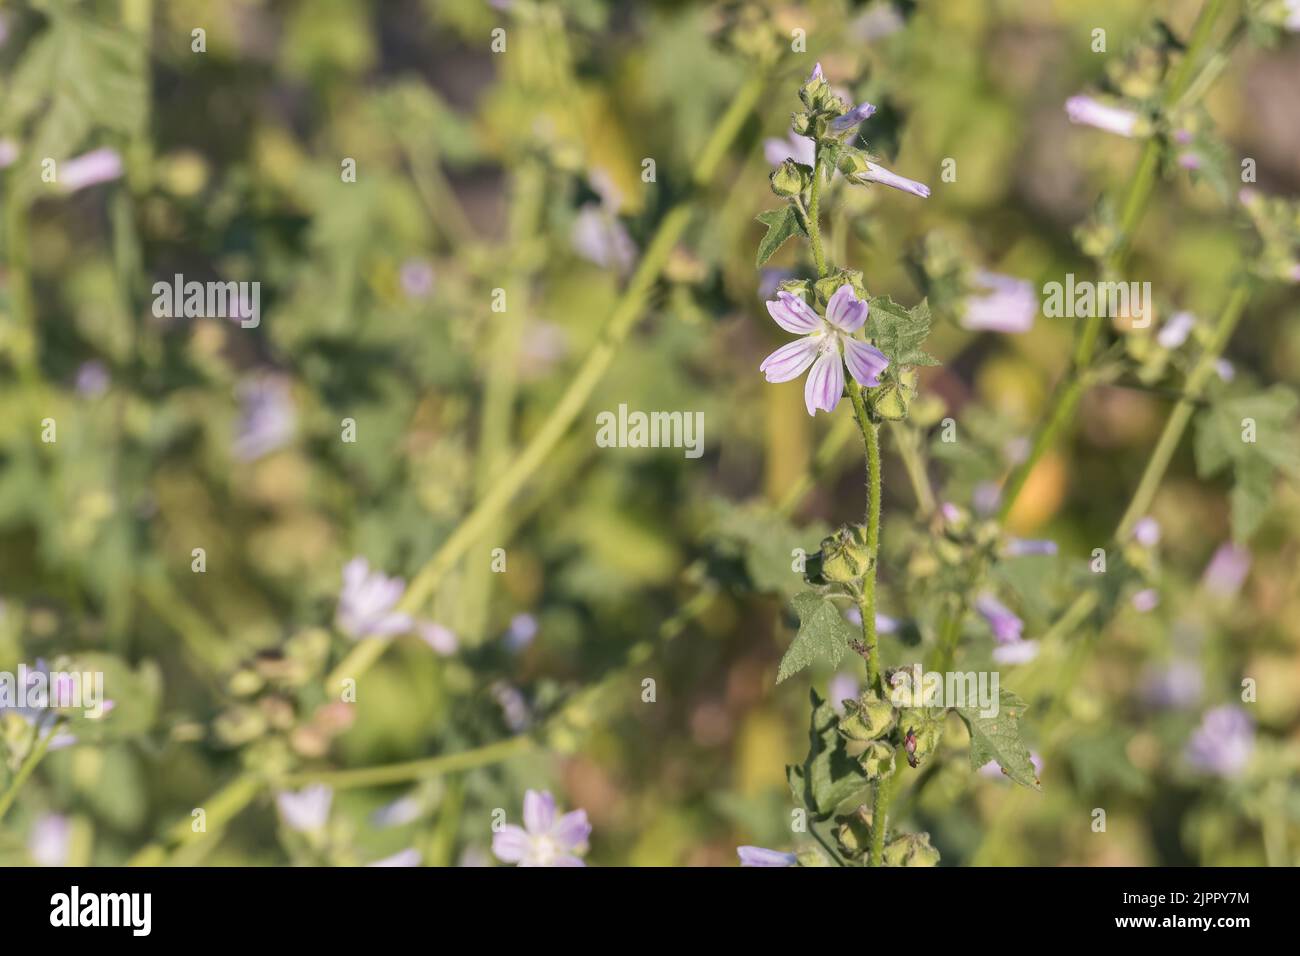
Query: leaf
x,y
899,332
829,776
1252,493
765,541
822,631
998,738
781,225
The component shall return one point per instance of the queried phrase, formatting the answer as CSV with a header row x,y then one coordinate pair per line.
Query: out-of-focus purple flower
x,y
770,279
544,839
416,276
409,857
1224,742
514,708
1017,652
1292,21
1092,112
1175,686
799,148
306,811
1022,547
827,345
1227,570
1147,532
761,856
400,812
879,21
49,840
599,237
875,173
44,717
884,623
92,379
842,687
1005,625
1007,304
1146,600
90,169
1174,332
1189,160
8,152
852,119
266,417
367,602
985,498
1016,450
441,639
522,631
542,345
1223,368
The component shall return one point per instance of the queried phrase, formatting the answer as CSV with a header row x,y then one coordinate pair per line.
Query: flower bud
x,y
811,856
827,287
877,760
845,556
911,849
788,179
801,123
245,682
922,740
854,833
239,725
816,93
800,287
867,718
890,401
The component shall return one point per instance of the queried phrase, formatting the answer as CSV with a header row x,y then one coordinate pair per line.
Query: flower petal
x,y
790,360
793,314
846,310
762,856
865,362
825,383
572,830
539,811
879,174
852,118
510,844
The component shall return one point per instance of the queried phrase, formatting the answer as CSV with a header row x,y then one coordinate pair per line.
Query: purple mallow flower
x,y
599,237
853,118
875,173
523,630
306,811
1222,745
442,639
1007,304
1146,600
409,857
49,840
90,169
544,839
416,277
92,379
884,623
266,418
8,152
1227,570
842,687
1005,625
1092,112
799,148
1022,547
367,602
1147,532
1173,687
827,345
1174,332
761,856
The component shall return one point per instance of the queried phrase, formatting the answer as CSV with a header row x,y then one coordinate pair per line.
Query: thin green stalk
x,y
584,381
879,818
40,746
423,769
907,443
866,598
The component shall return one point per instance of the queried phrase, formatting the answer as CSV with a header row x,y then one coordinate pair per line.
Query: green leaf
x,y
1252,493
998,738
899,332
829,776
765,541
822,631
781,225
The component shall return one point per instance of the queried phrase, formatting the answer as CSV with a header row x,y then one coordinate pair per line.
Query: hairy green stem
x,y
879,818
814,214
866,598
40,745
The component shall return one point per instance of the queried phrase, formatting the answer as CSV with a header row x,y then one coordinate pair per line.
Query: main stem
x,y
814,214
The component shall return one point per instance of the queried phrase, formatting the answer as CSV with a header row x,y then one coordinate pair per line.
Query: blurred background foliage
x,y
521,171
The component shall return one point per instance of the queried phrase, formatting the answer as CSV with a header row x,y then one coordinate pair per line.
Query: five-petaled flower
x,y
827,345
368,601
544,839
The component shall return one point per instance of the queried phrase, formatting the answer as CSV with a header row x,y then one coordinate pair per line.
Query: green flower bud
x,y
811,856
867,718
816,93
800,287
911,849
827,287
245,682
801,123
854,833
845,556
877,760
921,741
239,725
789,179
853,162
890,401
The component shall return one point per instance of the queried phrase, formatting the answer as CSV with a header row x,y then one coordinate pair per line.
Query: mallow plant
x,y
866,348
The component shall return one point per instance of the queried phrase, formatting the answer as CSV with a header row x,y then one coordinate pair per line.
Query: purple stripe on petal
x,y
539,811
825,384
790,360
846,310
572,830
854,117
879,174
865,362
793,314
